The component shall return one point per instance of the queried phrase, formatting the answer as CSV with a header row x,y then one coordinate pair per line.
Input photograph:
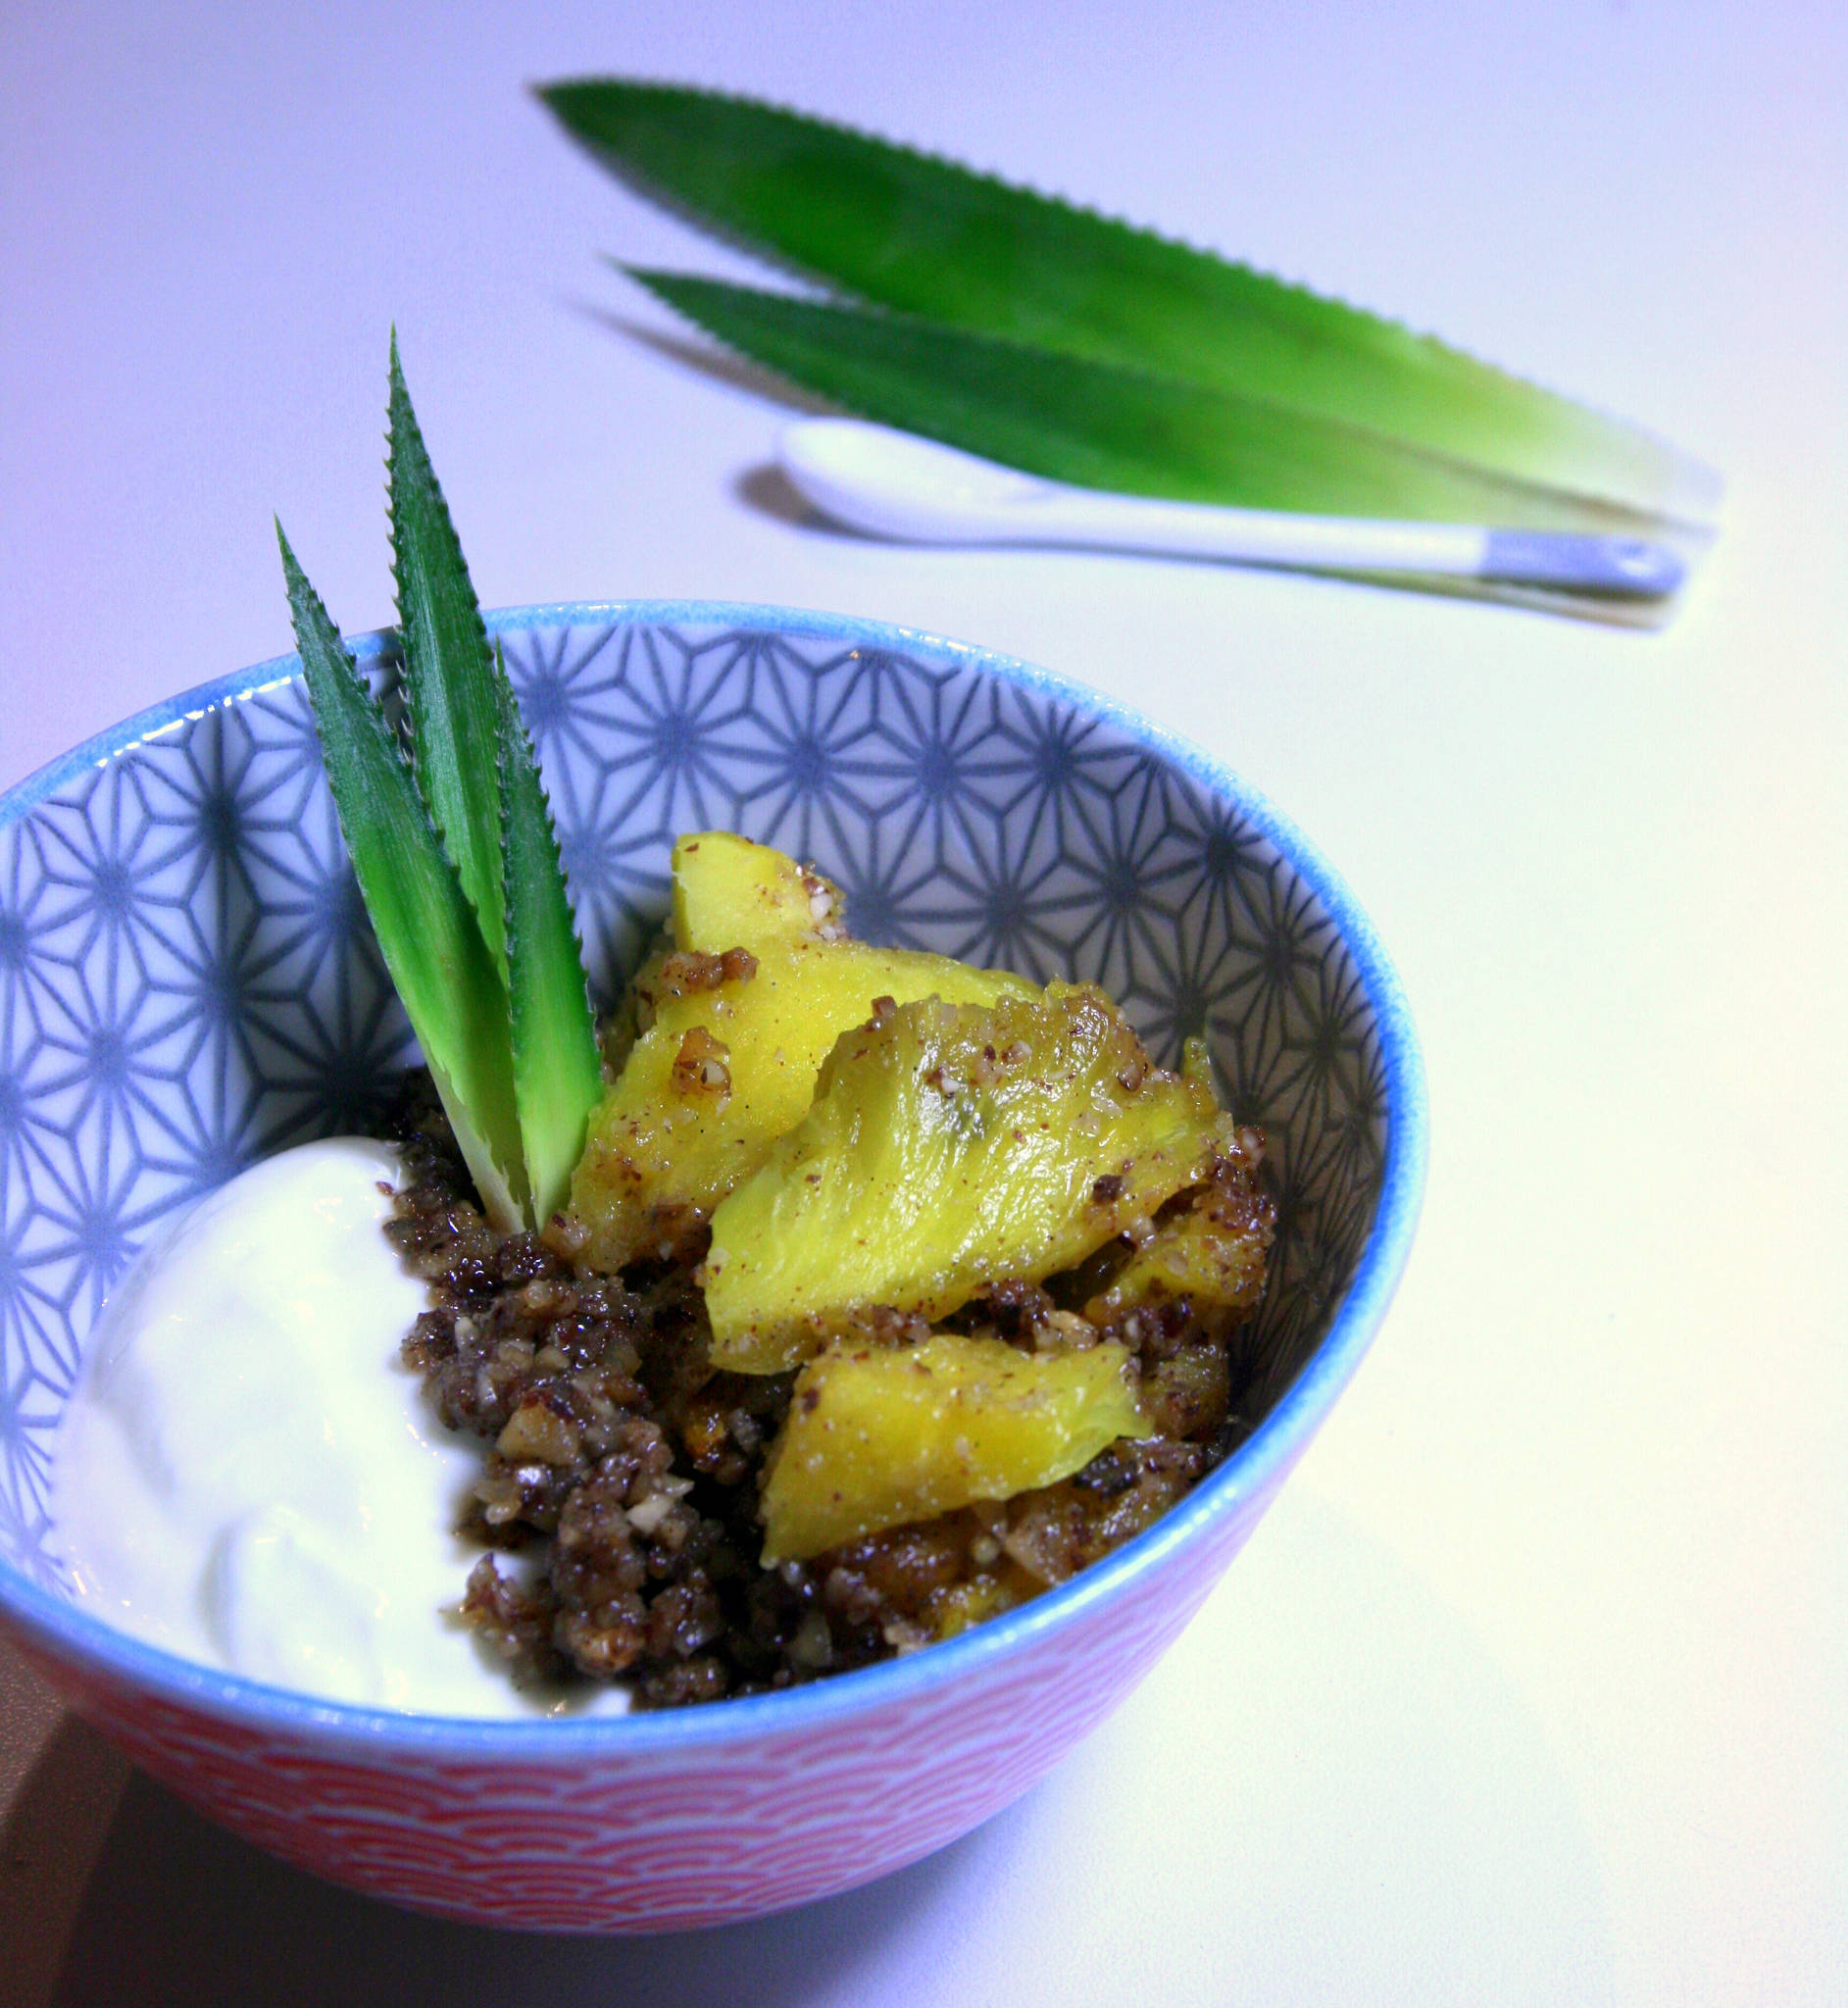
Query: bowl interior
x,y
188,981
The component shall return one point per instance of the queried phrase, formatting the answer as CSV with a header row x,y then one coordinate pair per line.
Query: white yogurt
x,y
248,1475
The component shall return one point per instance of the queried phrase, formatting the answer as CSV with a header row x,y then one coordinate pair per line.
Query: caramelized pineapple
x,y
1212,1254
728,1065
730,892
947,1149
732,1027
881,1435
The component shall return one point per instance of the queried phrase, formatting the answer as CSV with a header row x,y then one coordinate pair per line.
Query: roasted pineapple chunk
x,y
729,1065
946,1149
735,1024
1212,1254
880,1435
730,892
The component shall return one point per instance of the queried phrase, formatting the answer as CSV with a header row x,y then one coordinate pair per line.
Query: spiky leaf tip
x,y
426,927
449,690
558,1077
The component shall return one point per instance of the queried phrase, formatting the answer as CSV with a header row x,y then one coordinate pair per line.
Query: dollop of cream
x,y
248,1475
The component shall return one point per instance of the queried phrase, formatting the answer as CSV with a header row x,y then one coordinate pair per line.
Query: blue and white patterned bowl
x,y
187,982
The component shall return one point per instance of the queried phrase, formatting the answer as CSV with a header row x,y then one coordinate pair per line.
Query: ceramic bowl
x,y
187,982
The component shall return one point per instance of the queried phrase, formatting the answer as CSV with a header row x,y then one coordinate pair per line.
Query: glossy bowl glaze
x,y
187,982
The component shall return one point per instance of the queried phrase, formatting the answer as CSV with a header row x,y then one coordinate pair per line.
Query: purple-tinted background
x,y
1529,1691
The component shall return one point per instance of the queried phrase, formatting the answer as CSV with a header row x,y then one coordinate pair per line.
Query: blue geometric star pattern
x,y
188,981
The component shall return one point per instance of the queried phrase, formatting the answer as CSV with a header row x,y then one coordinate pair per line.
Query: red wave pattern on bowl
x,y
671,1837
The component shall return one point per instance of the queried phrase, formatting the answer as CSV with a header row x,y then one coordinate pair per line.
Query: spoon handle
x,y
894,484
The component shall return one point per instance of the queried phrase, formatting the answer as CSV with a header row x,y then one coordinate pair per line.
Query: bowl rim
x,y
68,1632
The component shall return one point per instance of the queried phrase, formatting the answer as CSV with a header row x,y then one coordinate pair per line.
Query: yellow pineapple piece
x,y
1194,1257
730,892
727,1066
946,1149
1212,1254
880,1435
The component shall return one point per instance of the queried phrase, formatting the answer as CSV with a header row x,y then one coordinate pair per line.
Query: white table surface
x,y
1531,1689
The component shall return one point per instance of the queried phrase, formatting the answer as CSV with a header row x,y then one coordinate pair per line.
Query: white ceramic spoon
x,y
896,485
